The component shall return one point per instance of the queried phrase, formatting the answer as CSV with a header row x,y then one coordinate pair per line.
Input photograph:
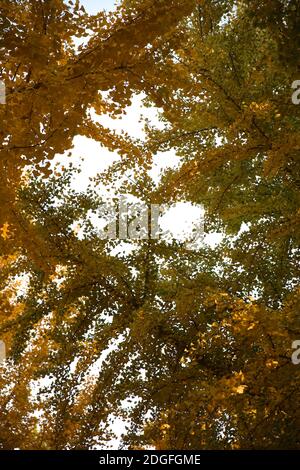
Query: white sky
x,y
94,6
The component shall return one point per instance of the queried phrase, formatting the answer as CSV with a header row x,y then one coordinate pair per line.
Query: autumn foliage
x,y
190,348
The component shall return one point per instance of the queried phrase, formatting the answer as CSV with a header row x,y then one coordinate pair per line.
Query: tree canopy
x,y
191,348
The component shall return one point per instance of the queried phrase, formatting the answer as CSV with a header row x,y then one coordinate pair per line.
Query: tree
x,y
191,347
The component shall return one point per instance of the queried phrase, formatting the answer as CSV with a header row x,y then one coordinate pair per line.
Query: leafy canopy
x,y
191,348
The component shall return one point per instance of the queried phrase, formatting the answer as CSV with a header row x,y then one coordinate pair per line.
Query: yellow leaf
x,y
5,231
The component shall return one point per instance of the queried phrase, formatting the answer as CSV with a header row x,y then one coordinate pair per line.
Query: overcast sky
x,y
94,6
